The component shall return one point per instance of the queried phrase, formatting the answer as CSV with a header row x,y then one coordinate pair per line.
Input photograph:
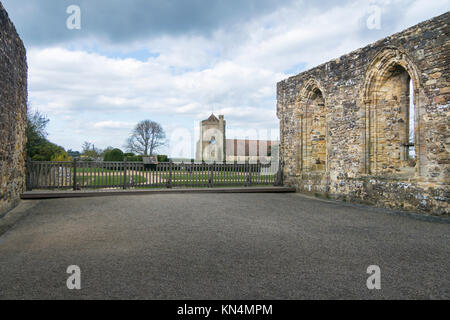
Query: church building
x,y
214,146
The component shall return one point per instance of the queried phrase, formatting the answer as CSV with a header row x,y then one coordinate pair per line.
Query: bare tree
x,y
146,138
89,150
86,146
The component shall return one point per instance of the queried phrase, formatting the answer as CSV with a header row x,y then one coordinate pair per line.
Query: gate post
x,y
74,174
250,169
125,168
169,182
211,174
29,186
279,177
247,169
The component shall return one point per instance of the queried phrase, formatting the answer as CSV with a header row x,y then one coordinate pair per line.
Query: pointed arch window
x,y
312,149
391,98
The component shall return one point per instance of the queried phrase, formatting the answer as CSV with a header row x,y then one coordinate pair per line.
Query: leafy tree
x,y
37,123
146,138
163,158
36,133
47,151
63,156
38,147
114,155
74,154
105,151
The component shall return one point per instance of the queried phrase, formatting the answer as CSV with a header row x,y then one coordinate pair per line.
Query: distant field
x,y
137,176
217,176
95,170
114,181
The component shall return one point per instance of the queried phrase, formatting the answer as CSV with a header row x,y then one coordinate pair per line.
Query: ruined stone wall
x,y
13,102
373,125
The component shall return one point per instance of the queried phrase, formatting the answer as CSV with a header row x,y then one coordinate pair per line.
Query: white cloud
x,y
234,72
113,125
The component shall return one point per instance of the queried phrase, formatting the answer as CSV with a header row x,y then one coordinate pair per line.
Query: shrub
x,y
62,156
163,158
47,151
114,155
134,159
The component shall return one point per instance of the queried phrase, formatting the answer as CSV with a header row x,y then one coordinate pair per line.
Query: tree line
x,y
146,139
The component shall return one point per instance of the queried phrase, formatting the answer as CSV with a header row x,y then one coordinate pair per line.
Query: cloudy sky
x,y
176,61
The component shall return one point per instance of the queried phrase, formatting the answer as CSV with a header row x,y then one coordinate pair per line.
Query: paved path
x,y
220,246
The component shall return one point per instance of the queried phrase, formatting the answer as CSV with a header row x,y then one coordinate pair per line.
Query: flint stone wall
x,y
344,131
13,109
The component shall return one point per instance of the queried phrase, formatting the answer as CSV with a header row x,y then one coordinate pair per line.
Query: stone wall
x,y
13,109
212,141
373,126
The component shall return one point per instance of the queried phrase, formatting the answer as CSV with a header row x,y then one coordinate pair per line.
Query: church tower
x,y
211,146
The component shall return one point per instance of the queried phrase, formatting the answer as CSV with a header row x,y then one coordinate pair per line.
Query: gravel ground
x,y
219,246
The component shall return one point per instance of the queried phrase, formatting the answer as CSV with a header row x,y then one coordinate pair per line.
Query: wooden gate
x,y
78,175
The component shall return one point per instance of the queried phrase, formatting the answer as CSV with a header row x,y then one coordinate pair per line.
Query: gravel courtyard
x,y
220,246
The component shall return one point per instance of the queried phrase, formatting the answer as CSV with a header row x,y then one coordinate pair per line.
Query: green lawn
x,y
183,176
103,178
114,181
81,171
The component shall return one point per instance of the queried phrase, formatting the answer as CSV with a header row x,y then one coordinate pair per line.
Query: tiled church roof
x,y
238,147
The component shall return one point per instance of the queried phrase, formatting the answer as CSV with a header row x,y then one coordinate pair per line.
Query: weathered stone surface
x,y
345,125
212,142
13,109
